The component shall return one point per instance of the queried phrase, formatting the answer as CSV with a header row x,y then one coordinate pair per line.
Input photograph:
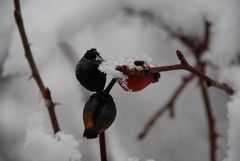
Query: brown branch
x,y
211,122
197,52
170,105
102,142
193,43
46,94
198,48
184,65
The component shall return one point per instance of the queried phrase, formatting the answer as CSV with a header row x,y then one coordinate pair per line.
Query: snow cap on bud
x,y
98,114
87,71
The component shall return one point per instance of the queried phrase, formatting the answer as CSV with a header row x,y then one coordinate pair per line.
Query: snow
x,y
231,75
109,67
85,24
136,159
41,145
234,126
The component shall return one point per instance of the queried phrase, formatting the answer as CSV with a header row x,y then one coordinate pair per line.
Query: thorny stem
x,y
184,65
102,142
46,94
170,105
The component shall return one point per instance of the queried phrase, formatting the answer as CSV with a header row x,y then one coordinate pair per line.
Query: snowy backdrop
x,y
61,31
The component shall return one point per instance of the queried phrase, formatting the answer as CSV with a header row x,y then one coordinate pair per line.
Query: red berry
x,y
137,83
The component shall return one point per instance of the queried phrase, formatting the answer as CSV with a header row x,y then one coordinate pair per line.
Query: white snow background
x,y
61,31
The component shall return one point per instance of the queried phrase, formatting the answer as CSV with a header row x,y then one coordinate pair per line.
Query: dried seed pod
x,y
87,71
98,114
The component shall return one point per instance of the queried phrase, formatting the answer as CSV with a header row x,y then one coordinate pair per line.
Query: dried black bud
x,y
139,62
87,71
98,114
156,77
90,133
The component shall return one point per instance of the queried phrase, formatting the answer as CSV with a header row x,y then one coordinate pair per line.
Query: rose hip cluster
x,y
100,110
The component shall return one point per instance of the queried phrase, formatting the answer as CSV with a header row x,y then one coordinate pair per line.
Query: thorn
x,y
56,104
140,136
30,77
171,110
47,94
208,84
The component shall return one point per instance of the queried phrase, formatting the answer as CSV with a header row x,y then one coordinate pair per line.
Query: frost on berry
x,y
129,83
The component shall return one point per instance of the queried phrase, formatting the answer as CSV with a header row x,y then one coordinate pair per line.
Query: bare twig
x,y
46,94
184,65
194,44
102,142
170,105
198,48
110,85
211,122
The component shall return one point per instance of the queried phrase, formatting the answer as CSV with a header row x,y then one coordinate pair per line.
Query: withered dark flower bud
x,y
156,77
99,113
87,71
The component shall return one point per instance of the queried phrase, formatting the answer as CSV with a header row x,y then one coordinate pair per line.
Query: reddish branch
x,y
198,51
102,142
103,151
170,105
211,122
198,48
46,94
184,65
